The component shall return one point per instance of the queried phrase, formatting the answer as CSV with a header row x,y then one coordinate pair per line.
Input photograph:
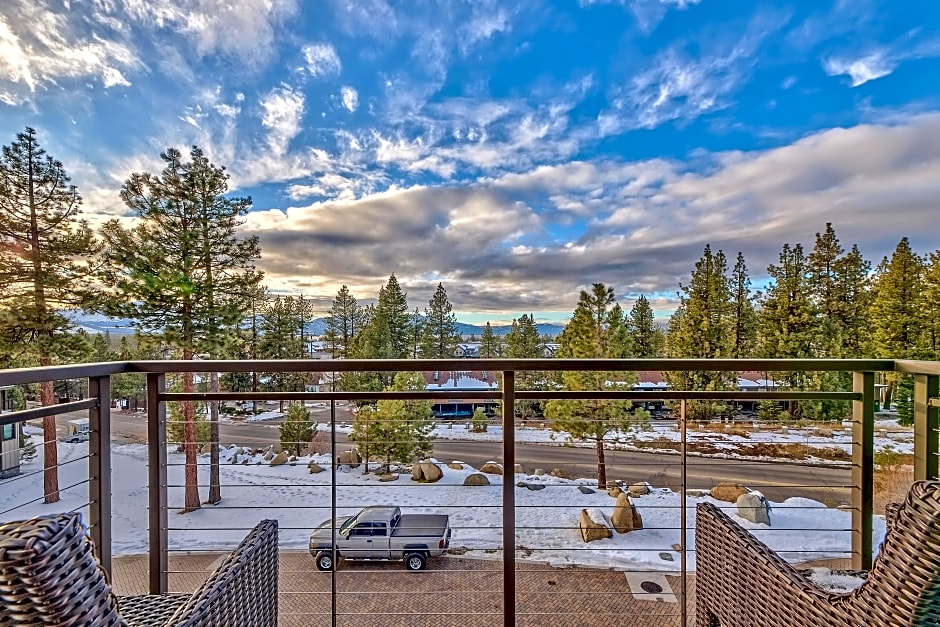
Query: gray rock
x,y
585,490
666,556
535,486
538,472
476,479
639,489
754,507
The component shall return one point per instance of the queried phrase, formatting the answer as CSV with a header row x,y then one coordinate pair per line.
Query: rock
x,y
521,484
535,487
455,466
349,458
268,456
591,529
538,472
614,491
666,556
728,492
245,462
388,477
561,473
476,479
292,458
585,490
206,448
677,547
639,489
625,517
314,468
426,472
754,507
280,458
517,468
492,468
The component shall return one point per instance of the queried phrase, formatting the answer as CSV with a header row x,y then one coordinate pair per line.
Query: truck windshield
x,y
346,526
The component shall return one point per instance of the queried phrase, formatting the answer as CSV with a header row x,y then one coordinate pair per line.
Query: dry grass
x,y
783,450
894,474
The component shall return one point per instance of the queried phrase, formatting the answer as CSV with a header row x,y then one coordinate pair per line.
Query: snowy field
x,y
546,519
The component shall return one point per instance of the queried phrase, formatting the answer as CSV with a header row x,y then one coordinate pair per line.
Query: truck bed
x,y
412,525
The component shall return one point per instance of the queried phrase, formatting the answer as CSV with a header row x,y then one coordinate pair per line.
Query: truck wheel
x,y
324,561
416,561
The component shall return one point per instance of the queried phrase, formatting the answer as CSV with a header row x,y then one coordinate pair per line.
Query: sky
x,y
515,152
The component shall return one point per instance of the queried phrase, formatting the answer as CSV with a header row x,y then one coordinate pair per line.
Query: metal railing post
x,y
926,425
683,481
509,498
863,468
99,469
156,470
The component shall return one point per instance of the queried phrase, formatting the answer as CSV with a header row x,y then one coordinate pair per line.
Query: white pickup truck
x,y
381,532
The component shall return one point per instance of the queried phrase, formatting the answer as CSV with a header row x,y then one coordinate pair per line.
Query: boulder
x,y
535,487
585,490
538,472
280,458
476,479
314,468
206,448
388,477
614,491
426,472
639,489
268,456
625,517
754,507
728,491
292,458
517,468
492,468
591,529
455,466
349,458
561,473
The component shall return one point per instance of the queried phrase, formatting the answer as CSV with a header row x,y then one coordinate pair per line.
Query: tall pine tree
x,y
490,344
440,337
343,323
46,252
643,329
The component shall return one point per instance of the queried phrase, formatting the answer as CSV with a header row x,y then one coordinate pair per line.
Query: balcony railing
x,y
504,587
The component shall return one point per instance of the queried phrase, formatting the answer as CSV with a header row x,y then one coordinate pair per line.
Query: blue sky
x,y
515,151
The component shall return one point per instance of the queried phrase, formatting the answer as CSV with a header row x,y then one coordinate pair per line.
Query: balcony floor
x,y
453,591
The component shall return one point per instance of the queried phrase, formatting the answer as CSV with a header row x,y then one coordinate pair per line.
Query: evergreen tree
x,y
440,327
701,328
183,272
931,296
744,316
296,430
280,327
596,330
643,329
45,266
523,342
386,336
416,330
343,323
490,344
897,318
788,317
853,289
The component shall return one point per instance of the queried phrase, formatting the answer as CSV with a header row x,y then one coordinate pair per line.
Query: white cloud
x,y
283,112
322,59
861,70
111,77
349,97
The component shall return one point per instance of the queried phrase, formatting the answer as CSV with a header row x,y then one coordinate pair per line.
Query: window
x,y
8,432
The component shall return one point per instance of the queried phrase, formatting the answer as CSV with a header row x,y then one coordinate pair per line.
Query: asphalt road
x,y
775,480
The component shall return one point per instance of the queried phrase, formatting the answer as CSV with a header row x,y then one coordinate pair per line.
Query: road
x,y
777,481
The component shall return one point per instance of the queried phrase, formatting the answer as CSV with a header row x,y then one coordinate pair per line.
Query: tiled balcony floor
x,y
453,591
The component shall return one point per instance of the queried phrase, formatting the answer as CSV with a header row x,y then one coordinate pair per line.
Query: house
x,y
457,382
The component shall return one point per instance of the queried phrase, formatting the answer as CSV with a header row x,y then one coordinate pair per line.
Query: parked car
x,y
381,532
78,431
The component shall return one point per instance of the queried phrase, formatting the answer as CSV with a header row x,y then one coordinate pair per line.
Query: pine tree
x,y
788,317
853,289
744,316
183,271
701,328
523,342
46,252
280,327
440,337
897,318
343,323
296,430
596,330
490,344
931,294
643,329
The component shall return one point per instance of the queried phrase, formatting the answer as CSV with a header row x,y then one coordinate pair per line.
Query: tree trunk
x,y
601,464
191,498
889,394
50,447
215,488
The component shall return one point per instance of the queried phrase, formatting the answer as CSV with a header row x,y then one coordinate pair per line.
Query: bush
x,y
296,430
478,422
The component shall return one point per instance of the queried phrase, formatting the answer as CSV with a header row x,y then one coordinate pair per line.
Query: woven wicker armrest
x,y
741,582
242,592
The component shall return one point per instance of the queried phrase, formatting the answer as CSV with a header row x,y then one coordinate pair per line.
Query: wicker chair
x,y
49,576
741,582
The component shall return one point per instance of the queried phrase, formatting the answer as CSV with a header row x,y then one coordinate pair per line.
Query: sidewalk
x,y
453,591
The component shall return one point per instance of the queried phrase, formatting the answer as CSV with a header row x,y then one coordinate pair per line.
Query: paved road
x,y
777,481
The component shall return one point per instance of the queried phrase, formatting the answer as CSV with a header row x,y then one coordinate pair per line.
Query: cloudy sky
x,y
516,151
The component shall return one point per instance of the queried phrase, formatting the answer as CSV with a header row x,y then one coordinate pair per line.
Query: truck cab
x,y
77,431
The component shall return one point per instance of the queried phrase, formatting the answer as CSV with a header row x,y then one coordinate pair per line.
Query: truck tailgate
x,y
421,525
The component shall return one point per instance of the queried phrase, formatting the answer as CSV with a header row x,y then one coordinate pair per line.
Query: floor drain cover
x,y
652,587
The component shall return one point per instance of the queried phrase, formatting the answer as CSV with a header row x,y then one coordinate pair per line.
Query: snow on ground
x,y
546,519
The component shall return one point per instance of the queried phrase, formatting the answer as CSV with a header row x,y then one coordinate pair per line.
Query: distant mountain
x,y
98,323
